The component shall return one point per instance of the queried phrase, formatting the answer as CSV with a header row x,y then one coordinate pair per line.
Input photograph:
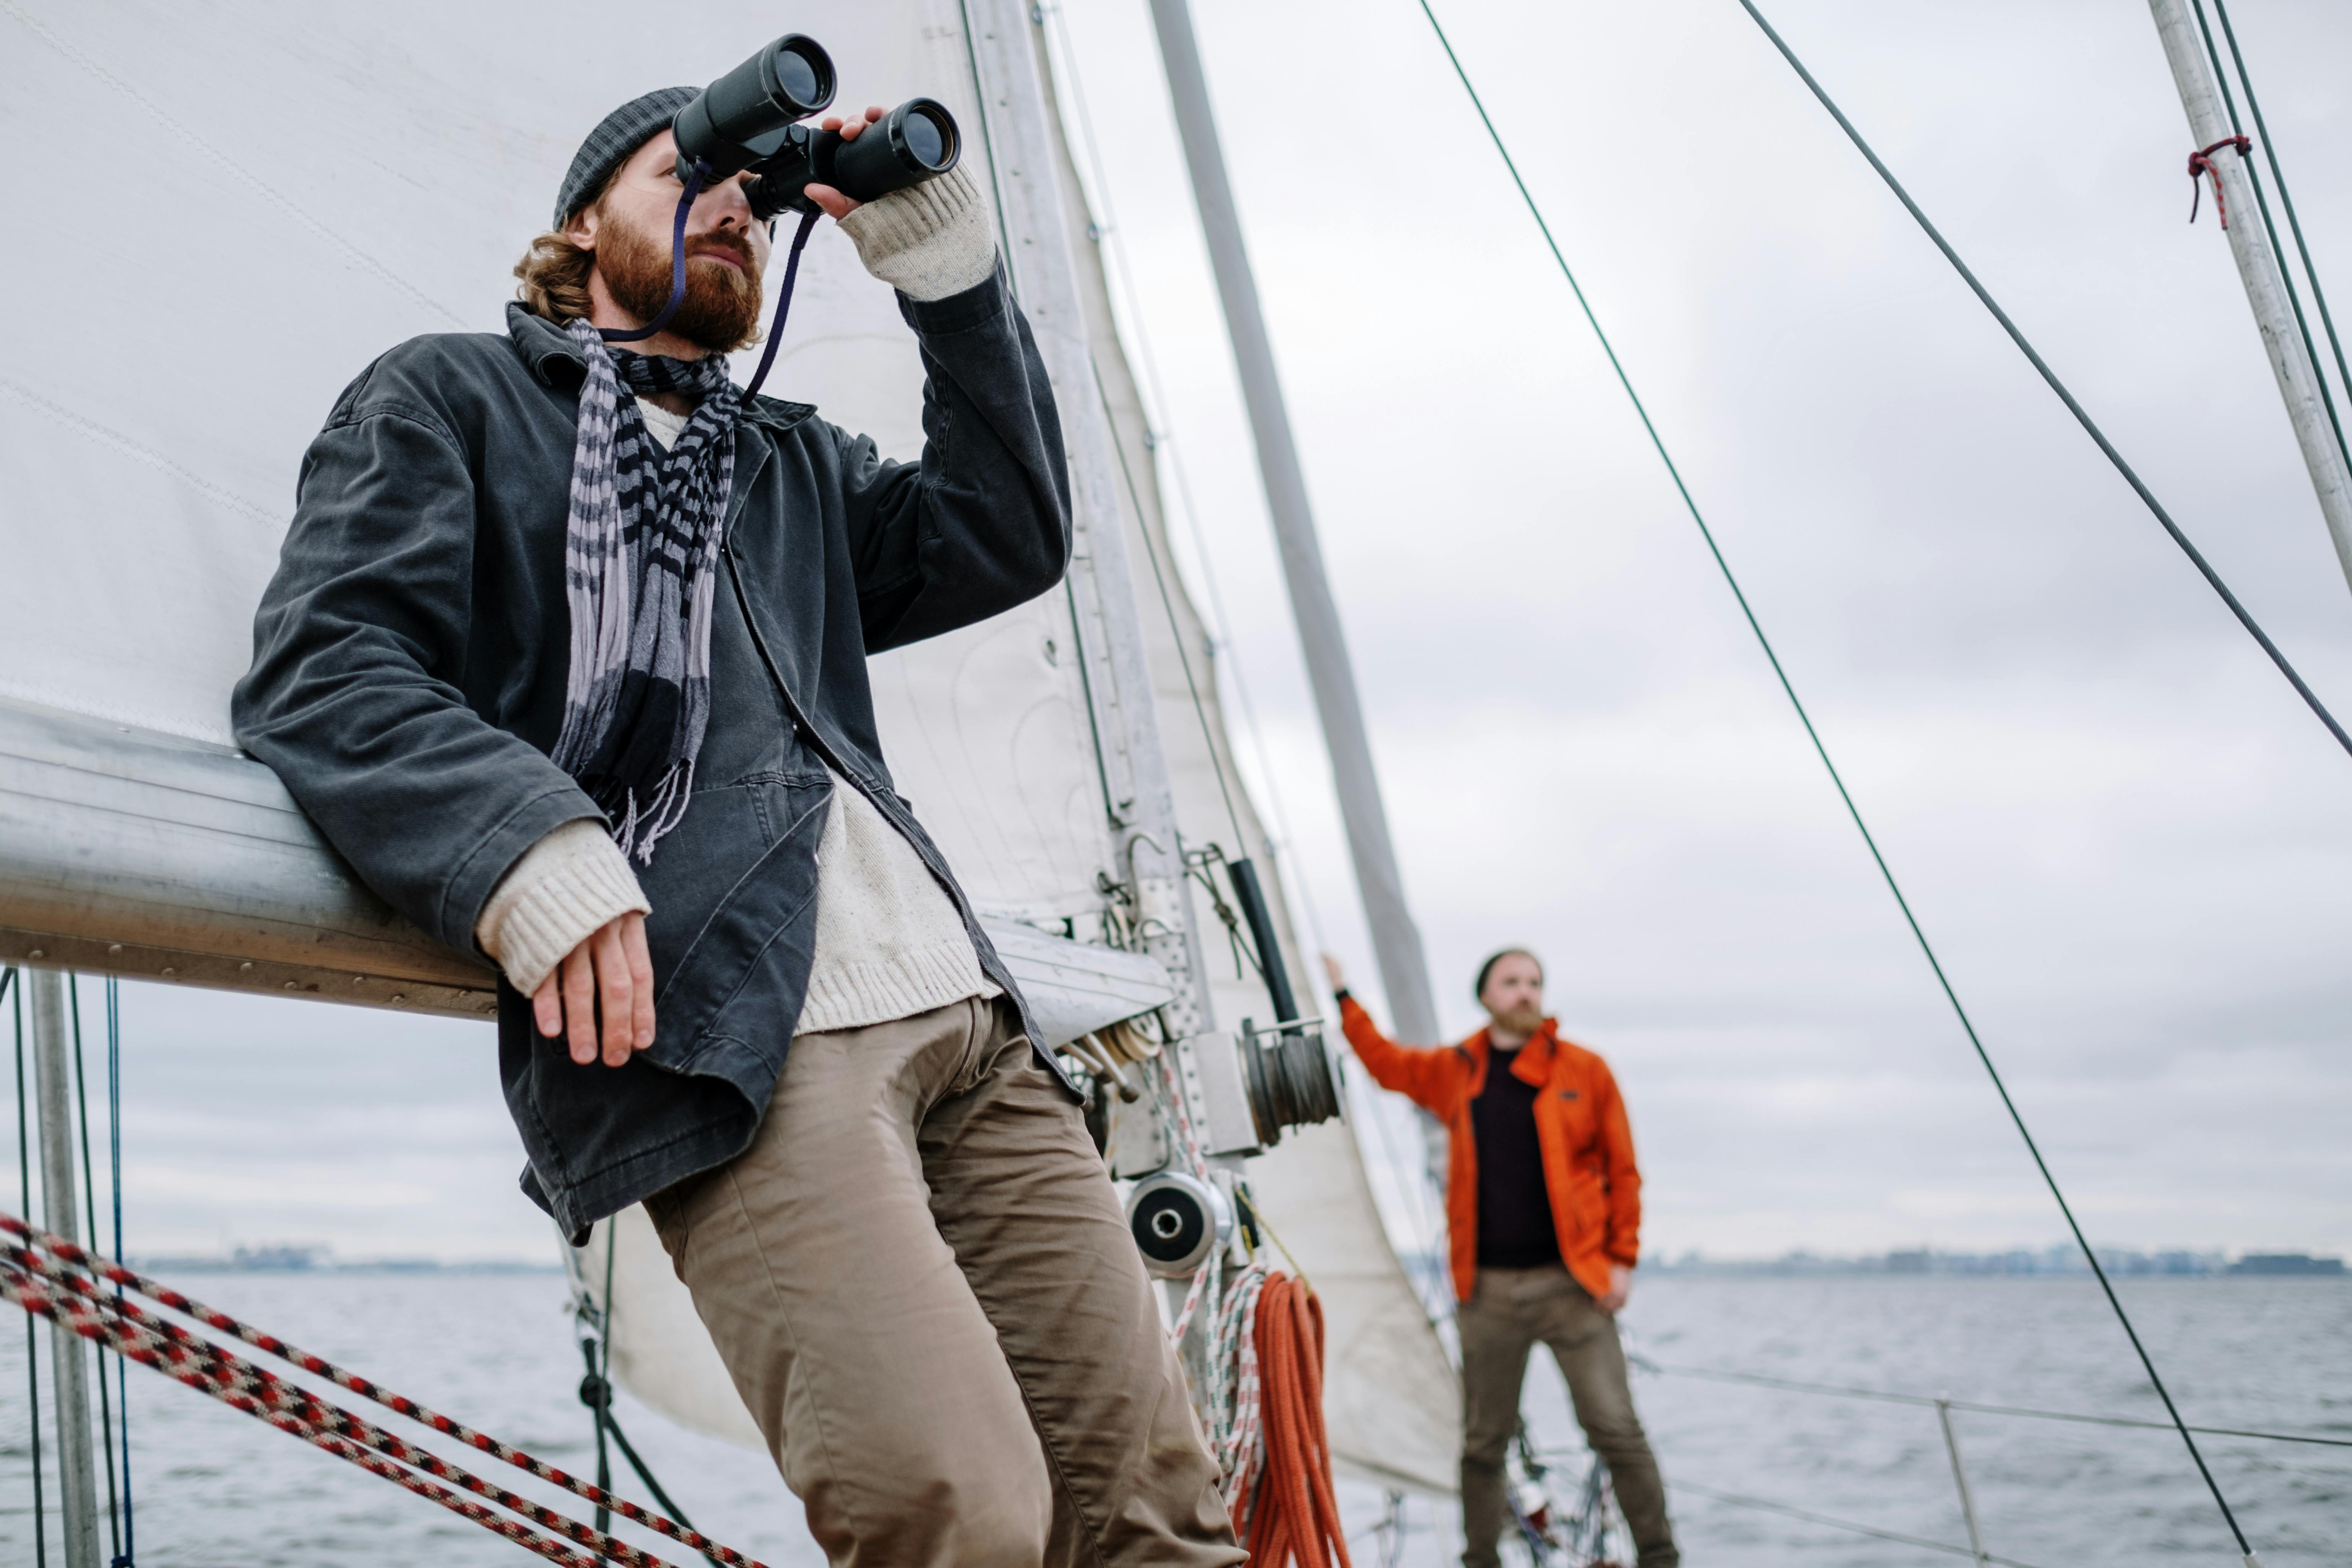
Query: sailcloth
x,y
316,184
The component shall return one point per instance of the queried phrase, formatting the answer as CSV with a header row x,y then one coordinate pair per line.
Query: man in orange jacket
x,y
1543,1208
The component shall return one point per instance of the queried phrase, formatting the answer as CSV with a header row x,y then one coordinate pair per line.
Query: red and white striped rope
x,y
75,1316
61,1253
1180,1111
1238,1433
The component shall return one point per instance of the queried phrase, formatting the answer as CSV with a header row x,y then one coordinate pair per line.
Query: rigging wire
x,y
11,988
1415,1185
2051,376
89,1208
1168,604
1889,1396
114,1134
1158,437
1767,1506
1820,747
2263,203
2286,200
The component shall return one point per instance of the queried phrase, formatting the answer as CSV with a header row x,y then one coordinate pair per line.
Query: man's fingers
x,y
835,205
546,1006
580,1003
640,979
612,988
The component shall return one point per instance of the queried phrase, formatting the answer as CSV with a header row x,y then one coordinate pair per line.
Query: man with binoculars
x,y
566,654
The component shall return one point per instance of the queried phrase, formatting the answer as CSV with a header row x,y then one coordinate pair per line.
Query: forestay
x,y
235,216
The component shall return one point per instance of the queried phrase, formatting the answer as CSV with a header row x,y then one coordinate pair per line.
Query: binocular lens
x,y
799,78
741,117
927,139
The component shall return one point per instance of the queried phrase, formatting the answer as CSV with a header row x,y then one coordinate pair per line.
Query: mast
x,y
52,1041
1396,941
2258,266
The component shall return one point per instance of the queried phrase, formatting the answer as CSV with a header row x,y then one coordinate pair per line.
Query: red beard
x,y
721,312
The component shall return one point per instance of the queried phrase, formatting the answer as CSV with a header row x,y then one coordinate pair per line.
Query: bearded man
x,y
566,654
1543,1216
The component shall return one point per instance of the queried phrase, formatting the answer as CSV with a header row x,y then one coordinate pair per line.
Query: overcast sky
x,y
2129,840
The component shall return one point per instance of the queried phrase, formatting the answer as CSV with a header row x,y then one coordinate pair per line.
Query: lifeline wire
x,y
15,993
2049,376
2270,154
114,1134
89,1207
1926,948
1890,1396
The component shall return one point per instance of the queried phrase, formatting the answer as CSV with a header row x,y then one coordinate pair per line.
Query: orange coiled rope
x,y
1295,1516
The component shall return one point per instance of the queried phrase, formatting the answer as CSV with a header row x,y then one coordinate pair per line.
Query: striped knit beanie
x,y
613,142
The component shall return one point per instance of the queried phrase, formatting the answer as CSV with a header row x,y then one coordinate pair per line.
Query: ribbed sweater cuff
x,y
566,887
853,996
928,241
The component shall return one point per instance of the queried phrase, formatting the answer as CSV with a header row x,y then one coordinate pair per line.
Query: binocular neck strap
x,y
784,305
676,265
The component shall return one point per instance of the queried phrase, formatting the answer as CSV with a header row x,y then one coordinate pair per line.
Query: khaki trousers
x,y
1511,1310
920,1279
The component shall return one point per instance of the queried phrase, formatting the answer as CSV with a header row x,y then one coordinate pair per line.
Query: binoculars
x,y
749,118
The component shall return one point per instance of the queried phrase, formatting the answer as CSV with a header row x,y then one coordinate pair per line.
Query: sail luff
x,y
1002,35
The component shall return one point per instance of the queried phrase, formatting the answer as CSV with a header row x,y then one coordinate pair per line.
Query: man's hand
x,y
1334,974
609,973
1620,1285
836,205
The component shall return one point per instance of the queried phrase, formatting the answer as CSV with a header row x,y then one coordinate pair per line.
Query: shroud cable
x,y
2049,376
1821,750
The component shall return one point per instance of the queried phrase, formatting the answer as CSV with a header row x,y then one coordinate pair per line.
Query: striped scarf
x,y
640,566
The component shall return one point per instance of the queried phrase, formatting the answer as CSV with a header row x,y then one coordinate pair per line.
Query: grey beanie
x,y
614,141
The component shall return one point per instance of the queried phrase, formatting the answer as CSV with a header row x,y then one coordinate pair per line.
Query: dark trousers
x,y
1511,1312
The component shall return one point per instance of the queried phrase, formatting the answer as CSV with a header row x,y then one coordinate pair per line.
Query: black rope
x,y
15,993
89,1208
2263,205
1821,750
2051,376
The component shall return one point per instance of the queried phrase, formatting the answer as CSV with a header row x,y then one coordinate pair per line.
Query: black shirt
x,y
1515,1223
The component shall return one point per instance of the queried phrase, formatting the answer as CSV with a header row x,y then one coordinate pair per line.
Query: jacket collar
x,y
553,361
1534,1062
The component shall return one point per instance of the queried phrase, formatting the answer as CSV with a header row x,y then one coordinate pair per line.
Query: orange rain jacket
x,y
1580,1126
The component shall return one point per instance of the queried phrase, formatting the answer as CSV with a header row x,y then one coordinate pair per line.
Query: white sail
x,y
237,211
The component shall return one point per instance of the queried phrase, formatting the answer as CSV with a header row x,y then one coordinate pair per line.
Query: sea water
x,y
214,1489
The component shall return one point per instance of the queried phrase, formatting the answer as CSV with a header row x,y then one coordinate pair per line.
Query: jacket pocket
x,y
749,873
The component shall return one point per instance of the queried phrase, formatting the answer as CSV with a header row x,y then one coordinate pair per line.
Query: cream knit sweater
x,y
889,941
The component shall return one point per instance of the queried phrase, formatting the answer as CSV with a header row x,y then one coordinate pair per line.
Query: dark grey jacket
x,y
409,667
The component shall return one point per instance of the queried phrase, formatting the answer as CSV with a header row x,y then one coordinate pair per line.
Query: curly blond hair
x,y
553,272
554,277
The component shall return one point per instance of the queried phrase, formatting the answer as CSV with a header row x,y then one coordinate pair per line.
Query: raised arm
x,y
983,521
1422,1074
